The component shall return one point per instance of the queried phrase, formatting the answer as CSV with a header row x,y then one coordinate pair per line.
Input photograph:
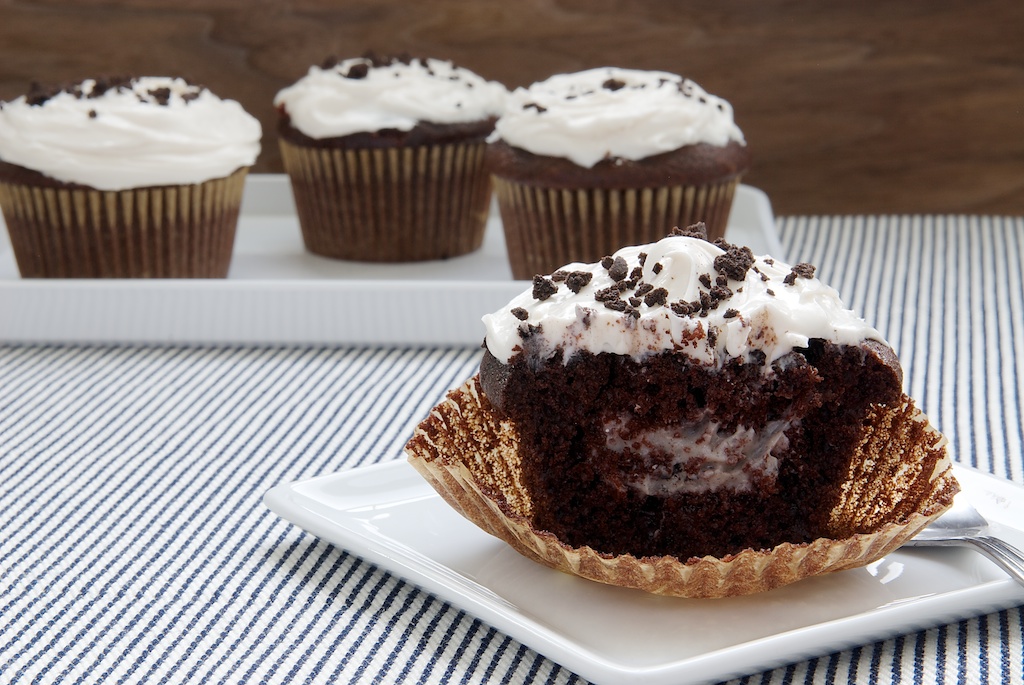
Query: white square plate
x,y
390,516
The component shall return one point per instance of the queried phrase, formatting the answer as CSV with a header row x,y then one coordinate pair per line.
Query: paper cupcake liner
x,y
900,480
390,205
159,232
546,228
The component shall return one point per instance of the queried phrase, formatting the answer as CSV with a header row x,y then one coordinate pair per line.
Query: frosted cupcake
x,y
124,178
386,155
588,162
688,419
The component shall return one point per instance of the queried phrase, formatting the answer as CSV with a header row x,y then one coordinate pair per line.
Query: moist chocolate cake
x,y
686,419
715,439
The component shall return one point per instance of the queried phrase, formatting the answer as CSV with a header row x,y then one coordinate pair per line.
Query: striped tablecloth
x,y
134,546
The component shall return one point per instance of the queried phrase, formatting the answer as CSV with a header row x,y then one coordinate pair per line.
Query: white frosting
x,y
123,138
766,315
327,104
578,117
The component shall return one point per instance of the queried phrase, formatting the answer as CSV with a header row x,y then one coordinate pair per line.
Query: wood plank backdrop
x,y
876,107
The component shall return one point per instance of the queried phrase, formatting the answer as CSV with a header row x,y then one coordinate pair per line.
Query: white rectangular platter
x,y
277,293
390,516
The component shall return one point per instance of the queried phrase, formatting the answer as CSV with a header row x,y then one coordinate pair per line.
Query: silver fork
x,y
962,524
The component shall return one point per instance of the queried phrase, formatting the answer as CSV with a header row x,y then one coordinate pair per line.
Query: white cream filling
x,y
702,458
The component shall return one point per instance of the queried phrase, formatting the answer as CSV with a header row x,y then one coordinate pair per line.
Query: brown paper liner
x,y
390,205
900,480
547,228
183,231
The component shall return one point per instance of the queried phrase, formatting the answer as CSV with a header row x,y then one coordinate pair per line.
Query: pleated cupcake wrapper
x,y
390,205
183,231
546,228
900,481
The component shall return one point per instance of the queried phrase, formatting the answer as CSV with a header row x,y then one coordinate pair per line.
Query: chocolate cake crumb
x,y
609,294
543,288
636,274
559,275
642,258
618,269
731,313
520,313
606,262
644,288
722,280
656,297
705,280
635,301
576,280
657,268
801,270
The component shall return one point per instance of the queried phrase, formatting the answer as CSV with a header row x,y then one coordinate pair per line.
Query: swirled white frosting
x,y
610,112
328,103
771,310
154,131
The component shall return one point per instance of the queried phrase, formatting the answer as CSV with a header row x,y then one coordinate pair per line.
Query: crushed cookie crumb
x,y
801,270
657,268
618,269
656,297
705,280
576,280
520,313
543,288
735,262
697,230
731,313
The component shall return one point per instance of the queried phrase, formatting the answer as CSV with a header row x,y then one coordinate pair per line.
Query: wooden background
x,y
849,108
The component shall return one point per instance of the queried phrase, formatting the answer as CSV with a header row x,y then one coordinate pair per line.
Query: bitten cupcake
x,y
687,419
124,178
588,162
386,155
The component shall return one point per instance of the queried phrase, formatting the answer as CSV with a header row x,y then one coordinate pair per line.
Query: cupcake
x,y
589,162
385,157
687,419
124,178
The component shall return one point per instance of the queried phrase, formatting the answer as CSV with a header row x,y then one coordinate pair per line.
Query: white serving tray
x,y
277,293
390,516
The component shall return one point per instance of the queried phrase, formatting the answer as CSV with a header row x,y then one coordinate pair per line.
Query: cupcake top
x,y
366,94
611,112
712,301
114,134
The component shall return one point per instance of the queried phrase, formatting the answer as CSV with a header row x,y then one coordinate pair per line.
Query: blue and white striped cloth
x,y
134,546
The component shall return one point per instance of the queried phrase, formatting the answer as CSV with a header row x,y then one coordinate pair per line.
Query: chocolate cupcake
x,y
687,419
589,162
386,155
124,178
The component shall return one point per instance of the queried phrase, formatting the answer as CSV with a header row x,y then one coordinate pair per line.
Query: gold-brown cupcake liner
x,y
390,205
900,480
547,228
183,231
